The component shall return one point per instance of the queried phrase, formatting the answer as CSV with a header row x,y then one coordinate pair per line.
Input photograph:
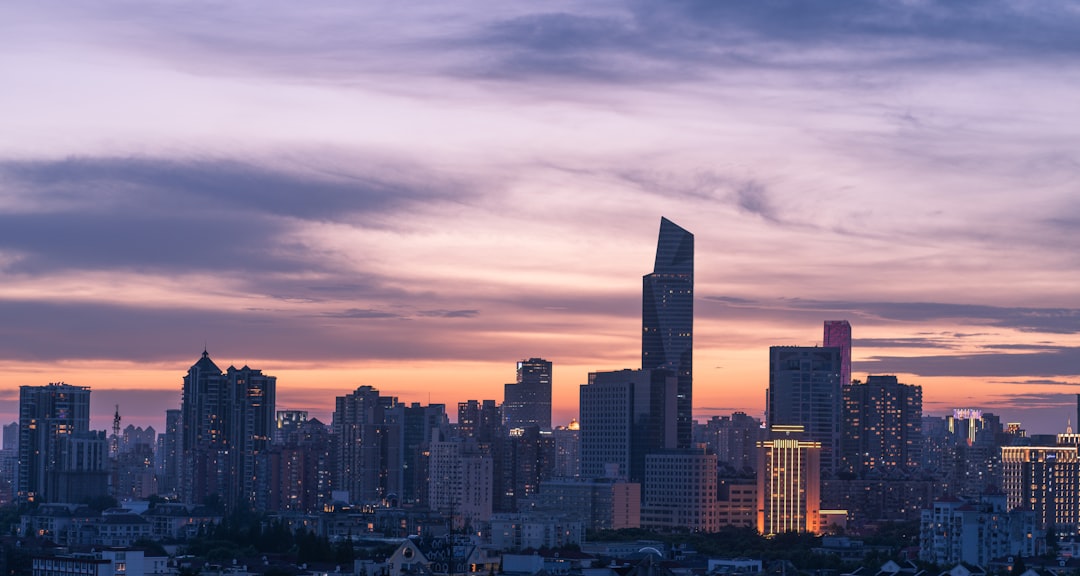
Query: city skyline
x,y
415,198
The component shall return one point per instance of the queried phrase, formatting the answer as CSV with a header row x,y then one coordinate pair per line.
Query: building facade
x,y
804,390
667,319
625,415
838,335
527,402
882,426
227,421
50,416
789,483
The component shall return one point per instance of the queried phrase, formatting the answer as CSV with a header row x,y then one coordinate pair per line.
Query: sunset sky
x,y
414,196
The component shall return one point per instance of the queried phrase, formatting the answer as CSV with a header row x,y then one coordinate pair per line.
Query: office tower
x,y
287,422
1046,480
360,437
169,453
227,422
679,492
667,319
882,426
838,335
47,415
804,390
481,420
625,415
528,401
789,483
523,458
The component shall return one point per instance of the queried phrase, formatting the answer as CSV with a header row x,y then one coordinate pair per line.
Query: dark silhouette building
x,y
667,319
228,423
527,402
60,459
626,415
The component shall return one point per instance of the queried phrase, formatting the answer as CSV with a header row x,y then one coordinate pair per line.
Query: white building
x,y
976,532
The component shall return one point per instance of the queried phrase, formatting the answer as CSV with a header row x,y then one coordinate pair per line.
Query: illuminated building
x,y
667,319
528,401
360,444
1045,480
228,423
567,451
461,480
838,335
168,454
804,390
625,415
882,425
48,416
789,483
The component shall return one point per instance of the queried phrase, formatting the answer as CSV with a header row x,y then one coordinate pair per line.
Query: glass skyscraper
x,y
838,334
667,319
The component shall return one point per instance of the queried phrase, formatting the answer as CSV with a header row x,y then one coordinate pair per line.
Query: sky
x,y
414,196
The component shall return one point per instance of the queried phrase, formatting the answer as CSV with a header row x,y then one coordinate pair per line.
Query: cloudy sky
x,y
415,195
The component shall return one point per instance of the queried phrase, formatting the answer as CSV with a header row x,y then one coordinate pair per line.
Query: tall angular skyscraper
x,y
838,335
667,319
528,401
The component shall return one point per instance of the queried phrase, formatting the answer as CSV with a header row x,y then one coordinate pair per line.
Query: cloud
x,y
176,216
1065,361
449,313
1024,319
1036,382
903,343
363,313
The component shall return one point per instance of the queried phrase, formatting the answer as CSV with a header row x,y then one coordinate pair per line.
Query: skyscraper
x,y
804,390
882,426
789,483
626,415
227,421
528,401
838,334
667,319
48,416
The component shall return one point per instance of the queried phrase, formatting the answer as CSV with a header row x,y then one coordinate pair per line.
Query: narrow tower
x,y
667,319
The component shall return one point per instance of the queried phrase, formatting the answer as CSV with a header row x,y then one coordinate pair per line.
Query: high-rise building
x,y
625,415
567,451
1045,480
9,463
361,444
838,335
48,415
882,426
461,480
804,390
528,401
789,483
410,429
168,454
667,319
228,422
